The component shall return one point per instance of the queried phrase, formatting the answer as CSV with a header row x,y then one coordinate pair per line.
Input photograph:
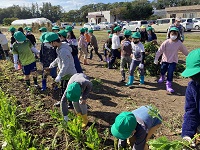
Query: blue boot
x,y
130,80
44,84
141,79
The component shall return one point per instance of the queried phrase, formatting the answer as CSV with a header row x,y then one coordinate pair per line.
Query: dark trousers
x,y
169,68
96,52
115,54
77,64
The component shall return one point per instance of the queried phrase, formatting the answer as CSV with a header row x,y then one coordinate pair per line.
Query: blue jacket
x,y
192,110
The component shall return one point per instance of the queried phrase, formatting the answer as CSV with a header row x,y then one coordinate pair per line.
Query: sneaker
x,y
70,107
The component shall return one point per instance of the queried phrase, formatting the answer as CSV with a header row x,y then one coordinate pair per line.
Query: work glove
x,y
187,138
16,66
141,66
155,62
66,118
58,78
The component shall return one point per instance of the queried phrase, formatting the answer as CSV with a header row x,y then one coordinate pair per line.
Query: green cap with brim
x,y
29,29
12,29
127,32
86,29
55,28
63,33
90,31
108,31
43,29
50,36
117,28
149,29
174,29
111,35
19,36
136,35
125,124
82,30
25,28
192,63
42,37
69,28
73,93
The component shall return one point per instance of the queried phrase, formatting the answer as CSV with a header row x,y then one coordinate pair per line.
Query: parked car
x,y
63,25
135,25
196,24
105,25
187,24
91,26
162,25
196,19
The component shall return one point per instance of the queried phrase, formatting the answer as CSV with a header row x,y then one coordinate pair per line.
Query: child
x,y
73,43
82,44
169,49
43,29
23,49
137,59
64,60
47,56
109,32
94,44
144,35
87,38
135,128
12,39
55,29
191,119
77,92
107,48
4,46
62,35
151,36
30,36
126,51
115,47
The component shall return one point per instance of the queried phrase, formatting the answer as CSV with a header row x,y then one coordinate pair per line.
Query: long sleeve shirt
x,y
115,42
64,61
170,50
192,110
93,41
82,43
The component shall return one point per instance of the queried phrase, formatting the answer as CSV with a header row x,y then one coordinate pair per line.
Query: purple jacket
x,y
192,110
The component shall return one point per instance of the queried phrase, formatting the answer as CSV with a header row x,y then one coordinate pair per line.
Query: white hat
x,y
178,18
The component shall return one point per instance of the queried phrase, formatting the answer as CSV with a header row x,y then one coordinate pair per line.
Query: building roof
x,y
183,8
30,21
94,15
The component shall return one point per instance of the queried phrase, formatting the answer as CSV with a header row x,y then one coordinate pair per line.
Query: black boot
x,y
123,76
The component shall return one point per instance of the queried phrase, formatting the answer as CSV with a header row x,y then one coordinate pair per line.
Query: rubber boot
x,y
130,80
123,76
169,87
141,79
85,120
85,62
162,79
44,84
110,66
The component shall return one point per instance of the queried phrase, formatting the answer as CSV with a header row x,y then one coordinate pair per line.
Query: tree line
x,y
133,10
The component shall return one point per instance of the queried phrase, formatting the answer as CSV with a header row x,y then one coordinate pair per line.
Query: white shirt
x,y
137,50
115,42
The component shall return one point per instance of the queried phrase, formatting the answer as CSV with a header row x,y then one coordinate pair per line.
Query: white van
x,y
135,25
187,24
162,25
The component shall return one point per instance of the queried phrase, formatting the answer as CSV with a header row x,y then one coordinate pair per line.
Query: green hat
x,y
19,36
192,63
86,29
63,33
55,28
111,35
50,36
69,28
109,31
82,30
136,35
125,124
174,29
42,37
117,28
73,92
90,31
127,32
12,29
29,29
25,28
43,29
149,29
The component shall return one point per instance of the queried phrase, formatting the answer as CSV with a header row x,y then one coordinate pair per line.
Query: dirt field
x,y
106,101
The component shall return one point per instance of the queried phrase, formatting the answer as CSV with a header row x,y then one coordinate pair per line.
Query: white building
x,y
30,21
100,16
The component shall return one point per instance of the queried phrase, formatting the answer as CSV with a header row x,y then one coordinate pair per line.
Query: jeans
x,y
134,64
169,68
115,54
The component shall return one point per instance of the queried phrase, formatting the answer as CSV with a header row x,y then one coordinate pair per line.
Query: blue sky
x,y
66,4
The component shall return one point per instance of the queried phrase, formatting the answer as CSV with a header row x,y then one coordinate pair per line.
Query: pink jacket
x,y
170,50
